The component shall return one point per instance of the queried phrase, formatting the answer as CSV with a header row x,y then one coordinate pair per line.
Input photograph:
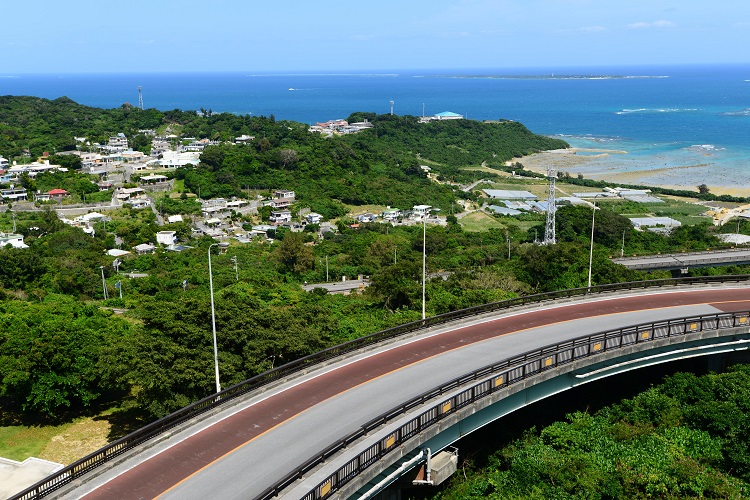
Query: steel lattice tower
x,y
549,229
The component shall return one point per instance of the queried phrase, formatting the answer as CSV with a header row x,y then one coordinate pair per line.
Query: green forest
x,y
66,351
684,438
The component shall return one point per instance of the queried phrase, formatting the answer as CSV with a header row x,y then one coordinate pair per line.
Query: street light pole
x,y
213,313
424,261
591,248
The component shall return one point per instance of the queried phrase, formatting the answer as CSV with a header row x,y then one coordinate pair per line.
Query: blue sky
x,y
241,35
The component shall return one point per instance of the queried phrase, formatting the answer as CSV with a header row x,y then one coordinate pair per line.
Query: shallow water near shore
x,y
674,165
681,126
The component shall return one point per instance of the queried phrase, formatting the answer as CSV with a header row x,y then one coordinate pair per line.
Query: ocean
x,y
680,125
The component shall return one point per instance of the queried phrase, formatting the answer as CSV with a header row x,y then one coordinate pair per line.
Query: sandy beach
x,y
612,166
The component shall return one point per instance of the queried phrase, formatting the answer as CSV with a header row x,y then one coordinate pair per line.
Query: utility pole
x,y
507,237
549,229
326,269
104,283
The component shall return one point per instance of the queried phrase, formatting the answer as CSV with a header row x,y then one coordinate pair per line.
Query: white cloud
x,y
654,24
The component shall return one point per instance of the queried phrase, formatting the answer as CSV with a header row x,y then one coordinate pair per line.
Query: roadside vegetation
x,y
66,353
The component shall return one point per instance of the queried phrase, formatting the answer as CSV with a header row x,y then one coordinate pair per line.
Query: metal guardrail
x,y
140,436
493,378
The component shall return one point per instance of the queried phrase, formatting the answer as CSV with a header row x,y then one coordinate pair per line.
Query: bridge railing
x,y
144,434
488,380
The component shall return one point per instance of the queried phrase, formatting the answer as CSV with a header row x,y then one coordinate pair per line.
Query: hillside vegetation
x,y
688,437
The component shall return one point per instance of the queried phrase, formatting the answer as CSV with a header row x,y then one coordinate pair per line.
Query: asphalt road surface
x,y
245,450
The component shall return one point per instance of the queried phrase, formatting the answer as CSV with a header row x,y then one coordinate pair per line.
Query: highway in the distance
x,y
243,451
687,260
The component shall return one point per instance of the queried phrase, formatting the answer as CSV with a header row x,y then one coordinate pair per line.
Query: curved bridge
x,y
336,426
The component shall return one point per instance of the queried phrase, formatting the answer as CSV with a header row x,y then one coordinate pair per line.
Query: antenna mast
x,y
549,229
140,97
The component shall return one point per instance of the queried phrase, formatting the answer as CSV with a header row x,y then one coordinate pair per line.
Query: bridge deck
x,y
247,449
677,261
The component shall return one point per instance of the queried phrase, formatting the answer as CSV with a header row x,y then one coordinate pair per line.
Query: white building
x,y
139,203
35,168
243,139
13,194
313,218
117,143
172,159
420,211
166,237
284,193
391,214
14,240
129,193
281,216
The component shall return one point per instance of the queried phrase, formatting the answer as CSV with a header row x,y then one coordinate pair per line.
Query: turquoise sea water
x,y
662,116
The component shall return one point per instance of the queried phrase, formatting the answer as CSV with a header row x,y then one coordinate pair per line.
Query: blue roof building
x,y
448,115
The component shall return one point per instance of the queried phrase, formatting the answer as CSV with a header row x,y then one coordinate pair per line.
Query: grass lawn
x,y
21,442
63,443
479,221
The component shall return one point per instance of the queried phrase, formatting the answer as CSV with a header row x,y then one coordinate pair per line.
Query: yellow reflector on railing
x,y
743,320
390,441
597,346
325,489
446,407
645,335
499,381
693,326
548,362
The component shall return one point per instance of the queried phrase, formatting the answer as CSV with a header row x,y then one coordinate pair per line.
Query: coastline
x,y
611,165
